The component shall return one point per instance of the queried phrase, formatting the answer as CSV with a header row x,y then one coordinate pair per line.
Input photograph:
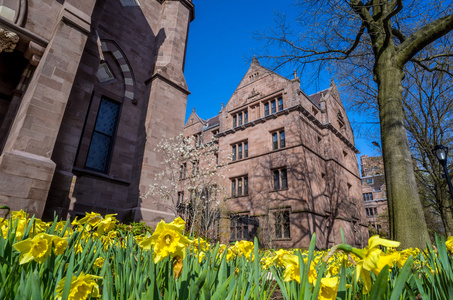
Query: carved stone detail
x,y
8,40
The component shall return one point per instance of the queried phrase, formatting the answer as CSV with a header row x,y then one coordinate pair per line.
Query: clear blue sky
x,y
219,50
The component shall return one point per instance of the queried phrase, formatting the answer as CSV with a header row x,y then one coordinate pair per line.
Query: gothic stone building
x,y
375,193
87,89
294,169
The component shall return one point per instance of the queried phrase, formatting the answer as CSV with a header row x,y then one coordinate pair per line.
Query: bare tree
x,y
188,184
389,35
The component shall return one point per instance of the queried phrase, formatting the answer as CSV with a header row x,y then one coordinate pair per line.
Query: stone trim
x,y
23,33
130,85
170,82
80,171
77,18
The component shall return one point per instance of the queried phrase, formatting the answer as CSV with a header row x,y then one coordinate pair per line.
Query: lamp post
x,y
441,152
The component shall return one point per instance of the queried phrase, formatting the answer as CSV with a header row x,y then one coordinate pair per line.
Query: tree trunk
x,y
407,222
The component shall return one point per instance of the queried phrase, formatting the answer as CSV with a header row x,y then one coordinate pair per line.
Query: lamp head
x,y
441,151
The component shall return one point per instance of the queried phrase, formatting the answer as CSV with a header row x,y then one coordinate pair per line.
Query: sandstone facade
x,y
375,193
294,170
87,89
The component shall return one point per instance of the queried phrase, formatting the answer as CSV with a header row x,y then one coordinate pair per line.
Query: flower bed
x,y
88,258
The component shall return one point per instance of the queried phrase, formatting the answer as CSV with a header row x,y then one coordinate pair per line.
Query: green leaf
x,y
402,279
380,285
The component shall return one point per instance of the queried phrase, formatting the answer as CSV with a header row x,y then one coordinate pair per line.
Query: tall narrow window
x,y
233,187
246,186
274,141
240,119
102,140
246,117
276,180
235,119
246,149
283,176
282,224
280,179
280,104
240,151
234,153
239,187
266,109
282,139
274,106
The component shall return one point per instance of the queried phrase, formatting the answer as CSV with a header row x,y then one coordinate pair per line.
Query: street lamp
x,y
441,152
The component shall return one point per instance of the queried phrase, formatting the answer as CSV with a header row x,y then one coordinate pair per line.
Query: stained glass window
x,y
102,139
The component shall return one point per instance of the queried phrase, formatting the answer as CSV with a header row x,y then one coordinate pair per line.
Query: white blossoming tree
x,y
189,184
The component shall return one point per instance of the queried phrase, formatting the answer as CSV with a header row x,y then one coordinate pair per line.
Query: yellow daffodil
x,y
106,224
329,288
291,263
91,219
36,248
449,243
99,262
60,245
82,287
369,258
167,240
243,248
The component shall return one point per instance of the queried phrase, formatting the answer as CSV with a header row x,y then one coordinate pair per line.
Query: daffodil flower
x,y
36,248
370,258
167,240
82,287
329,288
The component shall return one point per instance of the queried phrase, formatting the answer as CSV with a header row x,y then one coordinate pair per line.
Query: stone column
x,y
167,100
26,169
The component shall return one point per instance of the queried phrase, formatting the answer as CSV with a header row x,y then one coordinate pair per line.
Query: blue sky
x,y
219,50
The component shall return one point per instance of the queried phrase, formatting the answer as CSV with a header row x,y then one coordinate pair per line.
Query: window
x,y
195,166
280,104
240,150
240,118
180,198
239,227
182,171
239,186
274,141
198,139
282,224
371,211
278,140
101,144
233,187
271,106
367,196
280,179
266,109
369,181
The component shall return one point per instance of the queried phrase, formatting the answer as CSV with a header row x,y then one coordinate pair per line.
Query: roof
x,y
316,97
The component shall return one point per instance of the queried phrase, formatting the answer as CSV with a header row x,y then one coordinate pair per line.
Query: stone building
x,y
294,170
374,193
87,89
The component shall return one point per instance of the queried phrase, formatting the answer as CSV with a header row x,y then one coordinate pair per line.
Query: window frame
x,y
280,179
282,224
112,137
